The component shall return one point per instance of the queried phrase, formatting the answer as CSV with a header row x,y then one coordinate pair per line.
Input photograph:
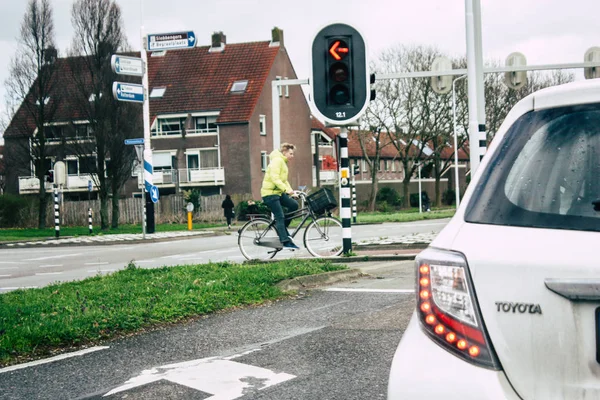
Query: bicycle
x,y
258,238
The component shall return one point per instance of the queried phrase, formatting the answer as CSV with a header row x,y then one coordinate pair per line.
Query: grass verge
x,y
41,322
403,216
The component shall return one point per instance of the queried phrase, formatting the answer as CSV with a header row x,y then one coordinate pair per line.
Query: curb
x,y
312,281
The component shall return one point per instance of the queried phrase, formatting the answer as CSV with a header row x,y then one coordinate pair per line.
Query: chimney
x,y
276,37
217,42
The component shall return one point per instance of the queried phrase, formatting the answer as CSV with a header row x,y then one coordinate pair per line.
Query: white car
x,y
508,294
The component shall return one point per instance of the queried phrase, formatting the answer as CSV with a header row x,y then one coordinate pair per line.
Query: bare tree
x,y
408,109
32,83
98,35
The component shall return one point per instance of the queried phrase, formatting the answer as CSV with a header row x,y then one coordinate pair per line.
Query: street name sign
x,y
168,41
134,141
127,65
128,92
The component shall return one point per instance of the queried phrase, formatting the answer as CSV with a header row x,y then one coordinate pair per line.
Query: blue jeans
x,y
276,204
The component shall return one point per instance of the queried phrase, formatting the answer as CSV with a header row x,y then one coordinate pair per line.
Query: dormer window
x,y
239,86
158,92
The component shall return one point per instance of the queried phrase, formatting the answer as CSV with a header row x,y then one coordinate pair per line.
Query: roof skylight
x,y
158,92
239,86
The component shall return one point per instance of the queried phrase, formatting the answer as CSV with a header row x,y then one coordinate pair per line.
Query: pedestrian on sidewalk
x,y
227,207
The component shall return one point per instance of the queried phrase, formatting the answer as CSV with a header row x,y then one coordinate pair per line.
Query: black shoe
x,y
290,245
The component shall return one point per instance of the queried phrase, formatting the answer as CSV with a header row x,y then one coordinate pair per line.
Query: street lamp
x,y
457,186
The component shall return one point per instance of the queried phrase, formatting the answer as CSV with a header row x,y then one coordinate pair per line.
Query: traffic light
x,y
355,169
340,80
50,176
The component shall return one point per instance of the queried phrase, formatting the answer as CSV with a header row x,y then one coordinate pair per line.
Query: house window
x,y
87,165
157,92
393,165
386,165
209,158
263,125
169,126
72,167
239,86
162,160
263,160
364,166
193,161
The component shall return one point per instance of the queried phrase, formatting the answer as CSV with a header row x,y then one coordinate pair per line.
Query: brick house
x,y
211,121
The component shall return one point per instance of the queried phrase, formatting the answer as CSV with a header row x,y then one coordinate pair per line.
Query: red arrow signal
x,y
338,49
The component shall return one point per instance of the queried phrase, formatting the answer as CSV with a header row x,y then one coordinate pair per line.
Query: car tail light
x,y
448,309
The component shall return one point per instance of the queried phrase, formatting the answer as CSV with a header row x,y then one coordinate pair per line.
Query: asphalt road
x,y
333,343
40,266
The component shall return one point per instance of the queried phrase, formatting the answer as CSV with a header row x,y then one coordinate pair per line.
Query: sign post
x,y
138,143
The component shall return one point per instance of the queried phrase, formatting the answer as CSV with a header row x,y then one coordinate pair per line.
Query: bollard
x,y
56,213
353,199
90,220
189,220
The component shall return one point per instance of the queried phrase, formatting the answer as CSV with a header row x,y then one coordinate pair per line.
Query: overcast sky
x,y
546,31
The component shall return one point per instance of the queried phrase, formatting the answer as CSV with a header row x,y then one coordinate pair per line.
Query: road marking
x,y
363,290
17,287
48,273
7,268
97,263
224,379
51,257
52,359
5,276
51,265
143,261
11,262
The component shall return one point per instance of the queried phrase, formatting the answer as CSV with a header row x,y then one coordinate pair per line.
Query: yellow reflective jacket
x,y
276,176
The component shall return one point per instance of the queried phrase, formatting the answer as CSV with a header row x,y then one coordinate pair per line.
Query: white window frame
x,y
287,89
279,87
262,124
264,161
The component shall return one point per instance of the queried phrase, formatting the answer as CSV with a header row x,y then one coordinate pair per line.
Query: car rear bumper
x,y
421,369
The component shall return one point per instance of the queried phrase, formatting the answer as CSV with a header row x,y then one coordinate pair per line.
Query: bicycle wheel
x,y
253,232
323,237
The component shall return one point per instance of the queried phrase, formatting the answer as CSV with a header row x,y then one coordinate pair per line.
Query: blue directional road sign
x,y
154,194
168,41
128,92
127,65
134,141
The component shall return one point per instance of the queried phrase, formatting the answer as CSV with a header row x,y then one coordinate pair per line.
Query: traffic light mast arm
x,y
275,85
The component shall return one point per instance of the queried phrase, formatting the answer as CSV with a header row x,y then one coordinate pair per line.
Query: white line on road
x,y
7,268
52,359
51,265
51,257
363,290
11,262
48,273
17,287
5,276
97,263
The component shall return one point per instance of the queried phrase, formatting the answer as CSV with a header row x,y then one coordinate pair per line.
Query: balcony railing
x,y
75,183
202,176
164,177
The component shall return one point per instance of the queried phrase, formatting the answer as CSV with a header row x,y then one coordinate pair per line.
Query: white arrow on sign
x,y
224,379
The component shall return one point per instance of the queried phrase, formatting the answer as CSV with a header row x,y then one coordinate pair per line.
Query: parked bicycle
x,y
258,238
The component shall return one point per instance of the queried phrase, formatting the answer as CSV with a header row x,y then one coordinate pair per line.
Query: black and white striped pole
x,y
345,210
90,220
353,196
56,213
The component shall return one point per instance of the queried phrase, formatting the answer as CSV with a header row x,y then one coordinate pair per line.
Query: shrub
x,y
13,210
388,195
449,197
251,207
193,196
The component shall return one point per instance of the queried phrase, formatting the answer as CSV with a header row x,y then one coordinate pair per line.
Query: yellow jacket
x,y
276,176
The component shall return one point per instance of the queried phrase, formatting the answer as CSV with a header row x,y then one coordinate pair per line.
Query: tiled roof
x,y
196,80
319,126
202,80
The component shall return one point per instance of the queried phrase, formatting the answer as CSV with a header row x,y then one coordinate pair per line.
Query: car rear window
x,y
545,174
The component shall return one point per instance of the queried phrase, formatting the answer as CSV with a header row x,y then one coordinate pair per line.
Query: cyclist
x,y
276,191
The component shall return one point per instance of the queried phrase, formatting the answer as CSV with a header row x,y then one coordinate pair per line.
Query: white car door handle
x,y
575,289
